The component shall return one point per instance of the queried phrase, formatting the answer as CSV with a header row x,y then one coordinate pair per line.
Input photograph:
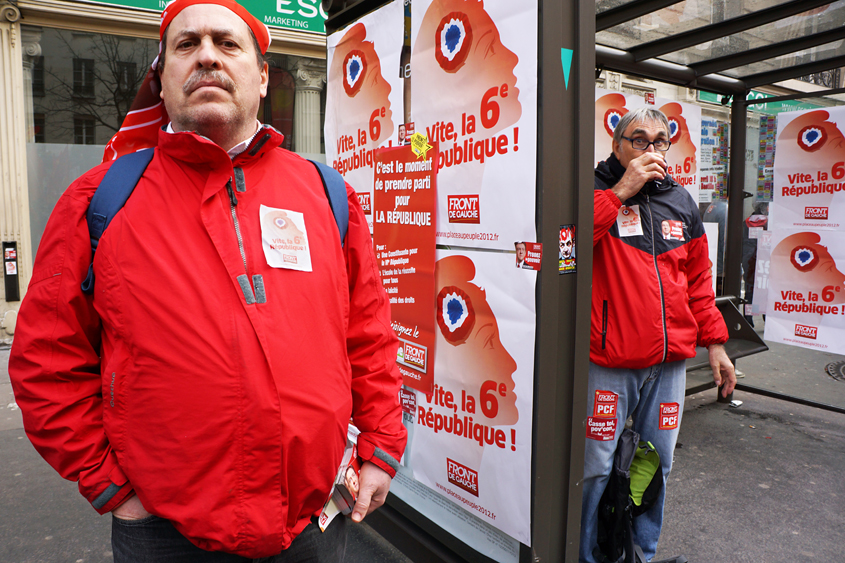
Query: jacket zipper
x,y
659,281
603,324
233,203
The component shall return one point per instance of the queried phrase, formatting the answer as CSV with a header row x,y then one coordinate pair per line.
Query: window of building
x,y
83,130
83,78
38,132
126,77
38,77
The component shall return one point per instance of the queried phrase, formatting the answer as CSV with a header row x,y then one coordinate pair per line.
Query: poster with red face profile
x,y
806,296
364,96
684,133
474,91
809,171
404,205
470,439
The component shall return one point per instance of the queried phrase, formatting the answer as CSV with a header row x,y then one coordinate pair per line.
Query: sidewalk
x,y
764,482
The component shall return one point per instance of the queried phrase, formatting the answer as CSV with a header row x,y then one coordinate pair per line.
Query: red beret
x,y
262,34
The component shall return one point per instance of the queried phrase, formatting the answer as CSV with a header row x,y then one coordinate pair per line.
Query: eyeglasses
x,y
641,144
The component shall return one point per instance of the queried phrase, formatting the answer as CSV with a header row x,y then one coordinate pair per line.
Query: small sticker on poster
x,y
566,249
11,268
11,254
529,255
406,131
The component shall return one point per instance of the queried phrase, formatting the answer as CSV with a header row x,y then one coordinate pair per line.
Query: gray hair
x,y
643,114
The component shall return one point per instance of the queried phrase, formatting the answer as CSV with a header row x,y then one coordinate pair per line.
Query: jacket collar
x,y
192,148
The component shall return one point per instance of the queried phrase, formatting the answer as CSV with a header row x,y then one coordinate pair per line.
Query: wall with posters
x,y
684,130
473,94
806,297
364,96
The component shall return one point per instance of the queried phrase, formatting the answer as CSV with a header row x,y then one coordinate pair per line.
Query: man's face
x,y
401,133
520,252
566,248
666,228
649,130
210,80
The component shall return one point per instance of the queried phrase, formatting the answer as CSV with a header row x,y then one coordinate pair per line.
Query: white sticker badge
x,y
629,222
284,239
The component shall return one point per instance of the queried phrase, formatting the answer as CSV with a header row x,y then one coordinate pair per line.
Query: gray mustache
x,y
218,78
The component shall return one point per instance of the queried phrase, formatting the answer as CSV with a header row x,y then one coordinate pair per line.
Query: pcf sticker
x,y
669,416
605,404
284,239
628,221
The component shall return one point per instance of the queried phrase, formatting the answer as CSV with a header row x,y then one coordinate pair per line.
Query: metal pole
x,y
565,196
733,236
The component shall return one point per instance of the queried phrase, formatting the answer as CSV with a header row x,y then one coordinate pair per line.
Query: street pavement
x,y
762,482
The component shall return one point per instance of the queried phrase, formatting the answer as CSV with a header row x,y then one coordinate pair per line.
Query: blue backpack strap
x,y
335,187
110,197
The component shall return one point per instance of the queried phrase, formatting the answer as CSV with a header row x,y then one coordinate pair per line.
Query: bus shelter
x,y
726,50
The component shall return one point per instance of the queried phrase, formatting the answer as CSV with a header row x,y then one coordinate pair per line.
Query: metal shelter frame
x,y
564,169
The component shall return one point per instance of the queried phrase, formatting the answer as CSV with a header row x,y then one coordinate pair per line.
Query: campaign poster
x,y
809,171
684,133
470,439
713,160
760,299
404,206
474,91
806,301
364,96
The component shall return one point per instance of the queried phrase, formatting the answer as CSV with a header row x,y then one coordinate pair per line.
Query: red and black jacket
x,y
653,298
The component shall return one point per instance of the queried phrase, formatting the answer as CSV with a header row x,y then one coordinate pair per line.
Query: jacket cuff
x,y
710,341
613,199
368,452
118,490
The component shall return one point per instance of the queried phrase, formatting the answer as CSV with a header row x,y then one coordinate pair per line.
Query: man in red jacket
x,y
202,393
652,304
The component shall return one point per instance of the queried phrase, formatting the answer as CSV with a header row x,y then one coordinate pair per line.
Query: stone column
x,y
31,40
14,194
310,76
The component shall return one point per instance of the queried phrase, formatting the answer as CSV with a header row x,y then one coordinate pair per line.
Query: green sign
x,y
301,15
774,107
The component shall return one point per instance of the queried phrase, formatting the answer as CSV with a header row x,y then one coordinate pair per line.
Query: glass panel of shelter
x,y
677,18
805,377
825,18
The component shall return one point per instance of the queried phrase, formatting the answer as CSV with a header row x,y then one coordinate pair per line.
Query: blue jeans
x,y
155,540
654,398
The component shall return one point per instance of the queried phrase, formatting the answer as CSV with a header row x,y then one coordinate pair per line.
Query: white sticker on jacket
x,y
629,222
284,239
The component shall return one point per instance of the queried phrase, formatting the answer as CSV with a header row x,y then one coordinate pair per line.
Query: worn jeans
x,y
649,396
155,540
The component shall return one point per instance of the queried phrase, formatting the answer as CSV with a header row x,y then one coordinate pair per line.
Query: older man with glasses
x,y
652,304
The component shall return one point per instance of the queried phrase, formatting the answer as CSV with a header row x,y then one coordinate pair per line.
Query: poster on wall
x,y
404,204
684,132
363,96
809,171
474,91
760,298
472,434
713,160
806,298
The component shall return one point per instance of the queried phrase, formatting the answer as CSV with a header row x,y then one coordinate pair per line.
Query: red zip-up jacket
x,y
217,387
653,297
